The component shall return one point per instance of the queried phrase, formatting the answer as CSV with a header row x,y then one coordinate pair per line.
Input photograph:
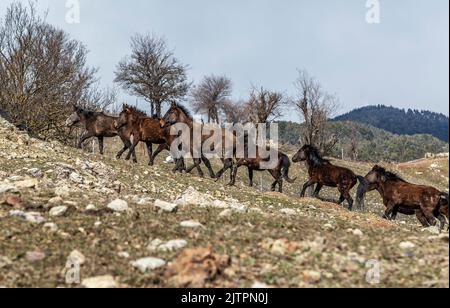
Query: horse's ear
x,y
173,105
127,110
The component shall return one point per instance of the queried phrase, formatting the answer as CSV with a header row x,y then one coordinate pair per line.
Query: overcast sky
x,y
403,61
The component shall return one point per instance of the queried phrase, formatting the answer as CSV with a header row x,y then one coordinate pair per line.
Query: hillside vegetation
x,y
373,144
400,121
54,204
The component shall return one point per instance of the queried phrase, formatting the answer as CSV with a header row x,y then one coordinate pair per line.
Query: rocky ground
x,y
73,219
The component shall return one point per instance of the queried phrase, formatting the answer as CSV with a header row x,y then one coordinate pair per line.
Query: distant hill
x,y
374,144
400,121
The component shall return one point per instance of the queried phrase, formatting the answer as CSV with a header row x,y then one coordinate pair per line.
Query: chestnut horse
x,y
143,129
323,173
399,196
97,125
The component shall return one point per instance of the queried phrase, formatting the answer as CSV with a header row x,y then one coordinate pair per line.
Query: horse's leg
x,y
133,151
234,173
389,210
422,219
227,164
126,146
305,187
85,136
198,162
317,191
101,145
208,165
150,152
160,148
276,174
250,176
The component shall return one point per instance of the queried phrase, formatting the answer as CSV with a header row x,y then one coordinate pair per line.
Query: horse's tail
x,y
361,193
285,165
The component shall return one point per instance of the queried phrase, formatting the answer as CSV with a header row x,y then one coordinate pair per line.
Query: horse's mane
x,y
136,110
185,111
390,176
315,157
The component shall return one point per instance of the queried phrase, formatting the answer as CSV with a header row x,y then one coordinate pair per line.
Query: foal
x,y
96,124
323,173
279,170
400,196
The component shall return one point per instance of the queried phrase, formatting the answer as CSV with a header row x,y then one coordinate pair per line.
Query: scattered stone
x,y
34,256
408,249
153,246
77,257
118,205
260,285
58,211
194,267
31,217
357,232
435,230
328,227
288,212
172,245
56,201
76,178
148,264
50,227
91,208
124,255
35,172
4,262
226,213
63,191
191,224
101,282
14,201
311,277
5,188
30,183
166,206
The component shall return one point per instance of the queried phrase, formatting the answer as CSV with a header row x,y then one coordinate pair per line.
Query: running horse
x,y
323,173
399,196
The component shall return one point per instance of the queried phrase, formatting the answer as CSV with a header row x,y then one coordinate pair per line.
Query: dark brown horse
x,y
399,196
97,125
323,173
142,129
279,170
179,114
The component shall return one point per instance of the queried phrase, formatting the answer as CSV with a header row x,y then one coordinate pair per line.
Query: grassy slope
x,y
341,260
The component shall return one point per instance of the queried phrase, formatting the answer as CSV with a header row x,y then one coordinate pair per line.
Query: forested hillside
x,y
400,121
371,143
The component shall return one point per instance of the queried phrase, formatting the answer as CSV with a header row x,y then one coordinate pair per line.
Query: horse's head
x,y
124,118
172,116
303,154
75,117
375,176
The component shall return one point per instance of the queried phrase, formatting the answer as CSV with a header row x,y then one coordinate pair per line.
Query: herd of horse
x,y
133,127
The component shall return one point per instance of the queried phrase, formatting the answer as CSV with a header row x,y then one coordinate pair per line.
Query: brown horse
x,y
97,125
399,196
323,173
179,114
279,171
142,129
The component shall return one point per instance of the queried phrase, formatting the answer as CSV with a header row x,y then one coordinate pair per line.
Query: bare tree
x,y
211,95
235,112
42,72
316,107
265,106
152,72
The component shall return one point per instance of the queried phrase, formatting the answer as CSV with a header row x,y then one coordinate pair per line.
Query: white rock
x,y
30,183
124,255
154,244
357,232
260,285
173,245
433,230
288,212
91,207
407,248
76,178
56,201
148,264
4,188
62,191
77,257
35,172
58,211
118,205
166,206
101,282
31,217
226,213
191,224
50,227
